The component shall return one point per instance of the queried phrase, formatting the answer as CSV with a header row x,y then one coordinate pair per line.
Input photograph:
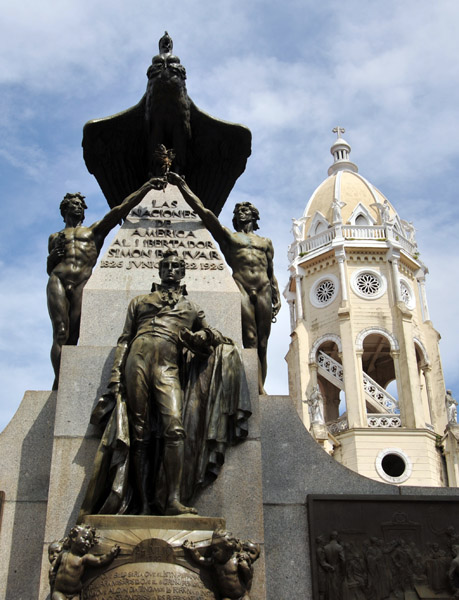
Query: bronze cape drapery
x,y
216,408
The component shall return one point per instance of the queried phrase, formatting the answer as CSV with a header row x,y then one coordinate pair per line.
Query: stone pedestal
x,y
294,468
26,446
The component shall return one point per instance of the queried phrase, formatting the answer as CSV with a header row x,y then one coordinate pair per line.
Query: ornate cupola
x,y
364,363
340,151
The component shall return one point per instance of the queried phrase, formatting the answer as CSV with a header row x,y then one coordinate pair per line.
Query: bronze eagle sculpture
x,y
120,150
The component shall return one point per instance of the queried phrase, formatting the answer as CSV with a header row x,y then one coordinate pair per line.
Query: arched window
x,y
378,372
330,376
361,220
319,227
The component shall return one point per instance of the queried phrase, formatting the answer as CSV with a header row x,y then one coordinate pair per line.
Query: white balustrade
x,y
406,244
317,241
378,393
383,421
373,390
374,421
364,232
337,426
355,232
330,365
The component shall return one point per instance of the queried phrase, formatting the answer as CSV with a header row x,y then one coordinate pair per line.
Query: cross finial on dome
x,y
340,151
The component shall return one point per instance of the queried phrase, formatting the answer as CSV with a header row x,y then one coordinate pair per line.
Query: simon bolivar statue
x,y
172,415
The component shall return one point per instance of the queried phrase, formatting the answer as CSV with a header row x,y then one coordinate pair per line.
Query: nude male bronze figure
x,y
250,257
73,252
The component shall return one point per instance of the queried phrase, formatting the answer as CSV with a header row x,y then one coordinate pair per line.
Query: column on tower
x,y
410,402
353,375
350,358
298,369
421,279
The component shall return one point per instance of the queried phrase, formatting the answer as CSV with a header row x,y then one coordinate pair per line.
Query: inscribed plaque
x,y
148,581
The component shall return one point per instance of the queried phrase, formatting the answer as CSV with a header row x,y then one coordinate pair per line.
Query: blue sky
x,y
291,71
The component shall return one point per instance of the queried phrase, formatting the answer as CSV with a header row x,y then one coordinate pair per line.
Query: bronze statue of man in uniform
x,y
250,257
147,363
73,252
177,399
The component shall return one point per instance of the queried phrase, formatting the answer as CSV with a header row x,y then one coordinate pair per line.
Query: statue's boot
x,y
141,472
173,467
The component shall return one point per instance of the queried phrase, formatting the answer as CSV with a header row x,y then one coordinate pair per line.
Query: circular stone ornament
x,y
324,291
407,294
368,284
393,465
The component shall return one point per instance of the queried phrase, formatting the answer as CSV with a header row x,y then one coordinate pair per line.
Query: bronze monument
x,y
177,395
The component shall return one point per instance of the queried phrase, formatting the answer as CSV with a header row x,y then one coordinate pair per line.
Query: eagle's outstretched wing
x,y
218,155
114,150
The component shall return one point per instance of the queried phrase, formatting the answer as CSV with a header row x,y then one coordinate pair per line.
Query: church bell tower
x,y
364,362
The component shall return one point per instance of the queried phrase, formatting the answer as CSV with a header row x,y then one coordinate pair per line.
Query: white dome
x,y
346,188
351,189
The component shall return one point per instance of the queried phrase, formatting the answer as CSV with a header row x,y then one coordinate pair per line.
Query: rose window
x,y
325,291
368,284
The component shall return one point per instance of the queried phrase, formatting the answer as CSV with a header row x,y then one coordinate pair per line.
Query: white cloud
x,y
30,159
289,71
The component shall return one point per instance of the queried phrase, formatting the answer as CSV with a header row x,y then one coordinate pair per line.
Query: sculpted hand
x,y
198,342
58,251
155,183
189,337
59,245
114,388
174,178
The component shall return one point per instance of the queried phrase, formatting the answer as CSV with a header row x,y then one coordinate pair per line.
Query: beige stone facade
x,y
364,362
